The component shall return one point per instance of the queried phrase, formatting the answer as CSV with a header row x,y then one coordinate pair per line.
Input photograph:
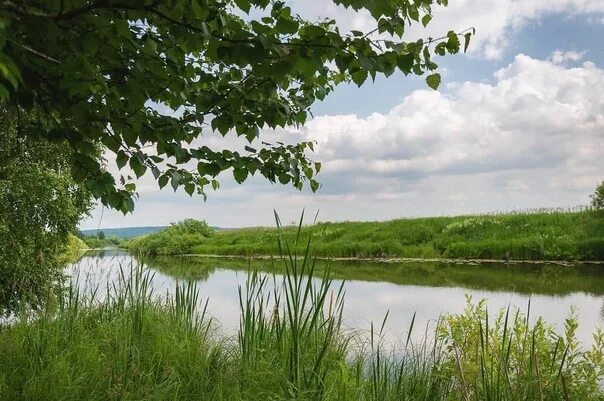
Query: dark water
x,y
372,289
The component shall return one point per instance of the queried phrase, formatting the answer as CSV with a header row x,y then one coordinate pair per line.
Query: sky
x,y
517,124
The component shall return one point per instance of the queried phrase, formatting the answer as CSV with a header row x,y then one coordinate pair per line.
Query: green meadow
x,y
534,235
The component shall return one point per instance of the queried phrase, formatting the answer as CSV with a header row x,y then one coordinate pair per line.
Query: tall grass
x,y
126,342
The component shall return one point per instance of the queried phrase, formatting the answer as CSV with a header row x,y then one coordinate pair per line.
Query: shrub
x,y
597,198
190,226
508,358
177,239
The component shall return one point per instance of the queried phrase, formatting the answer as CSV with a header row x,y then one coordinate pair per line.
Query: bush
x,y
190,226
507,358
597,198
177,239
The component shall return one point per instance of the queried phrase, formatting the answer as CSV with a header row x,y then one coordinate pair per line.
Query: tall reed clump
x,y
292,333
125,342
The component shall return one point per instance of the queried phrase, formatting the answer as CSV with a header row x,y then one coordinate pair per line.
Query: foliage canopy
x,y
40,205
145,78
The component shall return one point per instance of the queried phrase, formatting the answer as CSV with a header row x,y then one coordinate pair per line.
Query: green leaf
x,y
138,167
284,178
162,181
314,185
244,5
190,188
433,81
121,159
359,77
127,205
452,42
441,49
414,13
287,26
405,62
467,38
211,169
175,181
221,124
240,174
4,93
426,20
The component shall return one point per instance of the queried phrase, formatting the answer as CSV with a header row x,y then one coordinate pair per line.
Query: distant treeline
x,y
122,232
535,235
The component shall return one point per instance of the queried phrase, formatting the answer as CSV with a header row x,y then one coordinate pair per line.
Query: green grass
x,y
539,235
135,345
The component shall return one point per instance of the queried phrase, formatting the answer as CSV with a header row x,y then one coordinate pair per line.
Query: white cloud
x,y
562,57
533,137
536,114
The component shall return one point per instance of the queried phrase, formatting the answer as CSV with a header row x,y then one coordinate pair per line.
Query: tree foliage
x,y
145,78
597,198
39,206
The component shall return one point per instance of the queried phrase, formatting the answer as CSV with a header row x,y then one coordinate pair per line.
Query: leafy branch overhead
x,y
146,78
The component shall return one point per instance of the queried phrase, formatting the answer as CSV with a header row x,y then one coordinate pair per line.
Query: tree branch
x,y
35,52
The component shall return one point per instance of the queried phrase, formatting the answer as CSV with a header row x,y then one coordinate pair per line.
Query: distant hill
x,y
131,232
125,232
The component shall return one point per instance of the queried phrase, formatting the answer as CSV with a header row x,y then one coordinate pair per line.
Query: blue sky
x,y
518,123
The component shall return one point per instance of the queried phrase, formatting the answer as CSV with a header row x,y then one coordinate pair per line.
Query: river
x,y
426,289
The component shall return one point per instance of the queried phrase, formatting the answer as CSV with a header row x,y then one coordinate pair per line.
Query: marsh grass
x,y
133,344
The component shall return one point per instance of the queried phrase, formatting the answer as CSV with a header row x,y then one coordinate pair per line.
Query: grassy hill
x,y
542,235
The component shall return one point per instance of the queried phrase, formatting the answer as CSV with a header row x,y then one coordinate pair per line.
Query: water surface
x,y
372,289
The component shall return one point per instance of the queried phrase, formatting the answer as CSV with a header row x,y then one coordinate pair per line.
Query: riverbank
x,y
395,260
528,236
